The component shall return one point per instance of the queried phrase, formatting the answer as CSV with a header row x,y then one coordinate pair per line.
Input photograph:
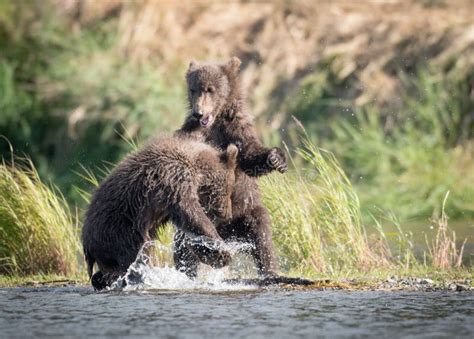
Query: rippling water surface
x,y
159,301
79,312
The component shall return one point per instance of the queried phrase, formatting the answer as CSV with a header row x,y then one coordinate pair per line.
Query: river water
x,y
161,302
232,311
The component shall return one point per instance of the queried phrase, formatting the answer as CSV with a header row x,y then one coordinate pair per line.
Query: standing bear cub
x,y
177,179
219,117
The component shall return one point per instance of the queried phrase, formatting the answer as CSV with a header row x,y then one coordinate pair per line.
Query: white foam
x,y
142,276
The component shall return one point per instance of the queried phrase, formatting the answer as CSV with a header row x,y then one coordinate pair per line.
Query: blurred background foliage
x,y
390,94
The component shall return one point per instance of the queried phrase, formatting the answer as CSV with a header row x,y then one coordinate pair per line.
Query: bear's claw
x,y
277,160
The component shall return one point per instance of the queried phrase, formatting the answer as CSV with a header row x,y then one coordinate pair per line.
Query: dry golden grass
x,y
282,41
442,249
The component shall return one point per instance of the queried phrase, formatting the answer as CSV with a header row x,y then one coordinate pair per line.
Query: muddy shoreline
x,y
389,284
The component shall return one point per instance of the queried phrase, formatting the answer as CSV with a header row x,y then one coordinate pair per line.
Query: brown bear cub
x,y
218,116
171,179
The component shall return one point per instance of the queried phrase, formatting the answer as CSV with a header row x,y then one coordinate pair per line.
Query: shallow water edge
x,y
278,313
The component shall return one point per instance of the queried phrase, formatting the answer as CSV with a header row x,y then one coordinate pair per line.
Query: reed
x,y
443,250
317,226
317,218
38,231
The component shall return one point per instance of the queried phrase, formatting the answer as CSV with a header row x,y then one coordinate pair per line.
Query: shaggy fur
x,y
218,116
177,179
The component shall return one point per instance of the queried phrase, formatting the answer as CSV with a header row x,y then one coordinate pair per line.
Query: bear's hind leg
x,y
260,235
254,228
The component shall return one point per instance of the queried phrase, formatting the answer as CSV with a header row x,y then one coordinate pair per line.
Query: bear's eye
x,y
211,89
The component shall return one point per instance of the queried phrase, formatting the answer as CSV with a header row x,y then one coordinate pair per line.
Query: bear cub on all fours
x,y
170,179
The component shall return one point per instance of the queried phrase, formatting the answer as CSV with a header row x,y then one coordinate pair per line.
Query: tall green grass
x,y
318,227
38,232
406,162
317,219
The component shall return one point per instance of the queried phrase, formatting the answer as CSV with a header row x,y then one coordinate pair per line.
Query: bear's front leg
x,y
260,161
184,258
254,158
188,253
210,253
189,217
199,233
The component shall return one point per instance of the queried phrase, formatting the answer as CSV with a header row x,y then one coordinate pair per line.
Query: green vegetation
x,y
65,97
317,219
38,231
70,85
415,152
319,231
390,110
316,216
416,155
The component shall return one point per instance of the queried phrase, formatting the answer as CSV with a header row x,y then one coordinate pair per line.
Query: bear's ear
x,y
192,65
233,65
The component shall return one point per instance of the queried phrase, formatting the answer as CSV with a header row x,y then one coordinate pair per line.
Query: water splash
x,y
142,275
231,247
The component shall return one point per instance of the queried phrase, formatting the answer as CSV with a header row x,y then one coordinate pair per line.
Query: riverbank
x,y
317,228
458,282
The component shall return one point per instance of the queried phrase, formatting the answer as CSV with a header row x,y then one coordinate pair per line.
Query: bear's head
x,y
209,89
218,184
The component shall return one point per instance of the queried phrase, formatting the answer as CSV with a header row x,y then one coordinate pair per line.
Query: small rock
x,y
460,288
392,280
427,281
452,286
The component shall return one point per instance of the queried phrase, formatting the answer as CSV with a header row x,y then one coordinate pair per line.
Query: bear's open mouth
x,y
206,121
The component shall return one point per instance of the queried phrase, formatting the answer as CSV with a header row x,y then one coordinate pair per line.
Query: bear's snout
x,y
197,114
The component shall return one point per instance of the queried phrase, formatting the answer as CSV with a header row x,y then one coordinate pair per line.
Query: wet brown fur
x,y
170,179
214,94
